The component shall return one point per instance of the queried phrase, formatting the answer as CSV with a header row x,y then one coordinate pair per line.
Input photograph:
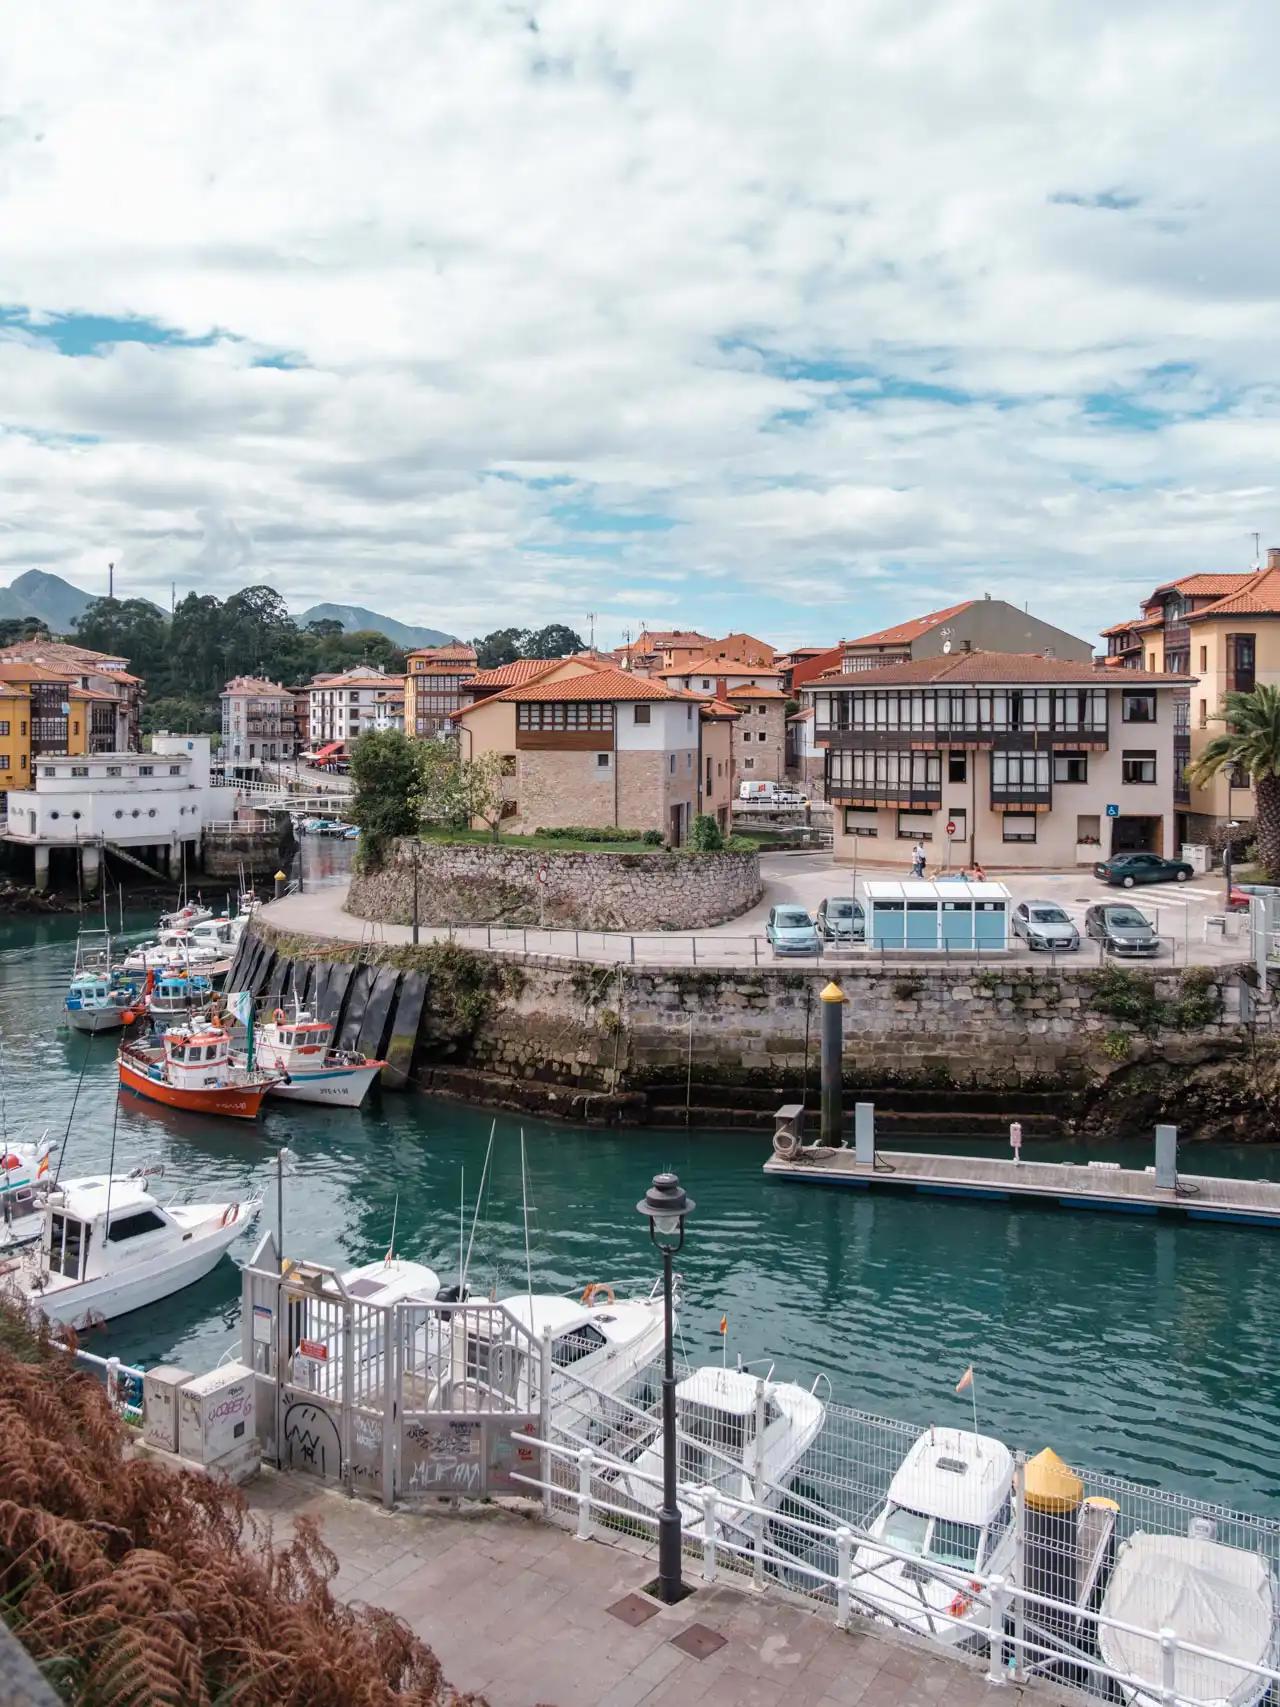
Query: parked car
x,y
1127,869
1121,929
790,930
841,919
1044,924
770,794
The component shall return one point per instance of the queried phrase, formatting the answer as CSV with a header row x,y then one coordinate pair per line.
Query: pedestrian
x,y
918,857
979,875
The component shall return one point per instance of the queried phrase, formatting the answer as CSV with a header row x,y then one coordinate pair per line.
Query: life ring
x,y
596,1287
279,1016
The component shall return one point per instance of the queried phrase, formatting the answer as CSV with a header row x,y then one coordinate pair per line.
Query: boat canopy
x,y
731,1390
1217,1596
954,1474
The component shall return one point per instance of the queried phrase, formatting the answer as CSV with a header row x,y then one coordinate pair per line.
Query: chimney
x,y
1273,557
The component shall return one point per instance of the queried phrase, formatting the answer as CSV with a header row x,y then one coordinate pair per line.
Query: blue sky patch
x,y
86,334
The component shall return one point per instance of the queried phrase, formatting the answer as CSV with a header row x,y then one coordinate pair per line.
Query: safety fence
x,y
1047,1569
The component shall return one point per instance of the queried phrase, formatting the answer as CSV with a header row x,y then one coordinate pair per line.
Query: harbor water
x,y
1144,1349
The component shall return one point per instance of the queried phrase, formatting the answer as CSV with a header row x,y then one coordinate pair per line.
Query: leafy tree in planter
x,y
1251,743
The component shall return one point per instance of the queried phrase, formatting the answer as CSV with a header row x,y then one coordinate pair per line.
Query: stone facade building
x,y
754,691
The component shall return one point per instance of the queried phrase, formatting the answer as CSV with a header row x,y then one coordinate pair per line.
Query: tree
x,y
133,629
503,646
325,627
386,768
182,716
197,653
16,628
482,790
553,641
438,796
1252,744
705,835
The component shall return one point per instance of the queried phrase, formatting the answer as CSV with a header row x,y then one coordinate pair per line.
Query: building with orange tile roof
x,y
433,683
973,625
103,673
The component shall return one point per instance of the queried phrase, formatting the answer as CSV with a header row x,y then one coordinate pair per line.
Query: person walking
x,y
918,857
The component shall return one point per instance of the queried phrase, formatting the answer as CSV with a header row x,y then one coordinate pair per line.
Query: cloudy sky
x,y
801,317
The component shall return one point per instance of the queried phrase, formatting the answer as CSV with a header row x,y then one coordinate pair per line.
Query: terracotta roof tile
x,y
257,685
459,652
1259,596
508,675
597,684
714,710
1208,585
904,632
994,669
754,693
720,667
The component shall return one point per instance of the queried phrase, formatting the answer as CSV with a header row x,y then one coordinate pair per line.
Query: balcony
x,y
911,797
1177,637
1024,796
1181,759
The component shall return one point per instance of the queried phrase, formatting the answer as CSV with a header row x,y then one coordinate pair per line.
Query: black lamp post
x,y
665,1206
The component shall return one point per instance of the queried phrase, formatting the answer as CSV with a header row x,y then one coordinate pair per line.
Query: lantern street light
x,y
665,1205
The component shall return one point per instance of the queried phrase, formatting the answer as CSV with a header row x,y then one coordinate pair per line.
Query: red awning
x,y
330,750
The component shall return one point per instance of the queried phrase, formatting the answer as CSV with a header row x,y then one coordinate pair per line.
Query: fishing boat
x,y
174,948
736,1433
173,996
191,1068
949,1509
24,1172
182,918
107,1247
299,1050
1217,1597
97,998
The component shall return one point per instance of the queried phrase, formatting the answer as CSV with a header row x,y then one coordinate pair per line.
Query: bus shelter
x,y
946,914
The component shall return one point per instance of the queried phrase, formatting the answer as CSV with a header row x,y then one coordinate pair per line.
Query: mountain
x,y
353,617
55,601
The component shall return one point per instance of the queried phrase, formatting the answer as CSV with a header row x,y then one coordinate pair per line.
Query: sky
x,y
797,318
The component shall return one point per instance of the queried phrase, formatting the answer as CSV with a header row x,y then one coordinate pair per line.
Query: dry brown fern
x,y
138,1587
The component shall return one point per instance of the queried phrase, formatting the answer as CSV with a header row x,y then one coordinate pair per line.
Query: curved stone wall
x,y
470,884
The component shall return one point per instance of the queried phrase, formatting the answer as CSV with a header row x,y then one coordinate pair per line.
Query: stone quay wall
x,y
643,1044
467,883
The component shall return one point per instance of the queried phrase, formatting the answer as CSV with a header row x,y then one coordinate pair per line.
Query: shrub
x,y
598,833
652,838
705,835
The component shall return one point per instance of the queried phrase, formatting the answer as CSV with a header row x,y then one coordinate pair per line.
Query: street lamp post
x,y
1233,824
665,1205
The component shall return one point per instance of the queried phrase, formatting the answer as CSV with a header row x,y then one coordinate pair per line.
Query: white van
x,y
770,794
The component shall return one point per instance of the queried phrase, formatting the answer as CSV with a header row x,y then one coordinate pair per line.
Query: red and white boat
x,y
298,1050
191,1068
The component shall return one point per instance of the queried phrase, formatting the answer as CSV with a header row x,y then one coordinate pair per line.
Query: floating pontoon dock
x,y
1160,1190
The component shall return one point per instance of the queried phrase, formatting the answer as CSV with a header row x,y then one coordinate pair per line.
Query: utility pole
x,y
111,580
591,618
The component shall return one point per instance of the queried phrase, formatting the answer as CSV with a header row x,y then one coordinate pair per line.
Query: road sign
x,y
1113,811
951,826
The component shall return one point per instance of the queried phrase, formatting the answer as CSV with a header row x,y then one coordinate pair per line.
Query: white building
x,y
343,707
257,723
154,802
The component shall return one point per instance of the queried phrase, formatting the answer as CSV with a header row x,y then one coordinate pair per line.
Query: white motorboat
x,y
182,918
950,1510
736,1433
24,1171
108,1248
99,999
299,1051
316,1334
1215,1596
173,948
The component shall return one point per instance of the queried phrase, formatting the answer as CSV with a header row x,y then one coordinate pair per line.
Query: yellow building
x,y
43,712
1224,631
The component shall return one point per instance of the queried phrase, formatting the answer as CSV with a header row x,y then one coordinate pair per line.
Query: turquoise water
x,y
1144,1349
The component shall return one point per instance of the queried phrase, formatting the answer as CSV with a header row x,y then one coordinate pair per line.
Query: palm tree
x,y
1251,744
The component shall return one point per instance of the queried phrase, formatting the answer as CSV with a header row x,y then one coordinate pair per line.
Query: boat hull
x,y
95,1020
341,1087
240,1102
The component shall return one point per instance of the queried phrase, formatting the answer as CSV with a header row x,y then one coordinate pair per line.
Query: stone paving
x,y
518,1610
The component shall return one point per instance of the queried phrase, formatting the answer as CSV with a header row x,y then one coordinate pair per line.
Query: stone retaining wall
x,y
470,884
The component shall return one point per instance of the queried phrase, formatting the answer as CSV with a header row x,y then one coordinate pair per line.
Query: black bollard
x,y
281,881
833,999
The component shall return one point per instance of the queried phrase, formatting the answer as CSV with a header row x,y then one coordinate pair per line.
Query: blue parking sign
x,y
1113,811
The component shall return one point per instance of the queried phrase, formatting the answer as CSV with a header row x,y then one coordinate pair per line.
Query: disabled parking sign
x,y
1113,811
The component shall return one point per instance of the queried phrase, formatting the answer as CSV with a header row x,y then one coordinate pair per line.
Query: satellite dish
x,y
946,646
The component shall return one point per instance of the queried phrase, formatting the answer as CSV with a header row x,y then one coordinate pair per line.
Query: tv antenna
x,y
1257,549
591,618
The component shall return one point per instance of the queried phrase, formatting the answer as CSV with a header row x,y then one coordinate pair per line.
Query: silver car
x,y
1044,924
790,930
1121,929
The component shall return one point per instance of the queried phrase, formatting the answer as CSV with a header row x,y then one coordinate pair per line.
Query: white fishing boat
x,y
182,918
24,1171
108,1248
175,996
97,998
950,1510
736,1433
1214,1596
300,1052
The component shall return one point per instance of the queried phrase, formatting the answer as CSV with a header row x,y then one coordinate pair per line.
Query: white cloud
x,y
878,304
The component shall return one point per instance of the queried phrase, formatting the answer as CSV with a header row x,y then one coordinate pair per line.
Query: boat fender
x,y
278,1016
596,1289
229,1214
786,1145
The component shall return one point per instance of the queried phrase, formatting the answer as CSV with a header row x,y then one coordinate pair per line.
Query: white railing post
x,y
844,1570
999,1607
584,1494
113,1383
544,1424
1168,1667
758,1490
710,1566
1019,1563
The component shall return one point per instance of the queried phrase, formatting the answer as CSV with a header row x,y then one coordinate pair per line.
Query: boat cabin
x,y
196,1058
301,1041
80,1243
951,1498
91,990
716,1412
177,992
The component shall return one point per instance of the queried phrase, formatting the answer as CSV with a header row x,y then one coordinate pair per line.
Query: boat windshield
x,y
941,1539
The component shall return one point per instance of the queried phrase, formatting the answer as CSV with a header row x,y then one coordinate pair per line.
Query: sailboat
x,y
107,1247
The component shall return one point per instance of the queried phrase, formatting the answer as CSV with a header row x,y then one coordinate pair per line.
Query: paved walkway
x,y
1177,911
519,1610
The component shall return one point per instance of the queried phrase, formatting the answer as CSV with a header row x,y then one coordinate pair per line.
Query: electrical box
x,y
215,1414
1167,1157
864,1134
160,1389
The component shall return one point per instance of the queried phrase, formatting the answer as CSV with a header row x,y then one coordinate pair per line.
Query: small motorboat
x,y
736,1433
182,918
107,1247
1215,1596
103,1001
299,1051
317,1337
191,1068
173,948
25,1169
950,1510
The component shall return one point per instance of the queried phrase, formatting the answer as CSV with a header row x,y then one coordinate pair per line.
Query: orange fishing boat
x,y
191,1068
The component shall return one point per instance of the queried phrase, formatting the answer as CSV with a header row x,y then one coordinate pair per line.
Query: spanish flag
x,y
43,1168
966,1380
724,1324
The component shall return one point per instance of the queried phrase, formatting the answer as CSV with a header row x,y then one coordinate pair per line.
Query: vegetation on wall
x,y
1134,999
